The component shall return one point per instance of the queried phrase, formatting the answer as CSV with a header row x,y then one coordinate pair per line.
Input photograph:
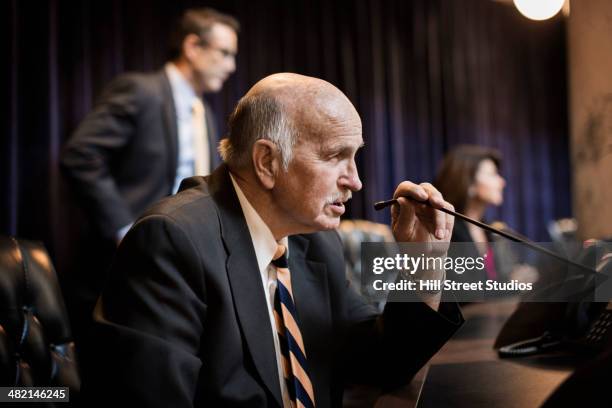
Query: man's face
x,y
216,58
321,175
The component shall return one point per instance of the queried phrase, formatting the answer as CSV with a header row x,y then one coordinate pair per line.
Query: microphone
x,y
379,205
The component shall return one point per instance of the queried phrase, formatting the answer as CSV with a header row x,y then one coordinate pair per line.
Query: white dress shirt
x,y
265,247
183,95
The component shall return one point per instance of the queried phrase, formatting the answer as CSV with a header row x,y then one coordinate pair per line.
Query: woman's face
x,y
488,185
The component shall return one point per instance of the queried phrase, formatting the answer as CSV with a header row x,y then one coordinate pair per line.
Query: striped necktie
x,y
293,353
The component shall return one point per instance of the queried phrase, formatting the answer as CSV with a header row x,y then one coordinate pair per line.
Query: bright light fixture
x,y
539,9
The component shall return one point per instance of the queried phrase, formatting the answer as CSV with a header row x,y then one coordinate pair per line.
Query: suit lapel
x,y
211,132
311,296
245,282
309,281
170,123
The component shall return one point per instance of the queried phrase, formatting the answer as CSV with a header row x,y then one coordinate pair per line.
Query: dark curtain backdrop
x,y
425,76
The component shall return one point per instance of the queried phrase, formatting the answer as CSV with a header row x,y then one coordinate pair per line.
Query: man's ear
x,y
191,42
266,162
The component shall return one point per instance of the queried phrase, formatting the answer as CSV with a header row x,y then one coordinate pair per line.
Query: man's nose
x,y
231,65
351,180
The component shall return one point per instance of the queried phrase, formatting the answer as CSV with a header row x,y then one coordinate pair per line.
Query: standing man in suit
x,y
233,292
147,132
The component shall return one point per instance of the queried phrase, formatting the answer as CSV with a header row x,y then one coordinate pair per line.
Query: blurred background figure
x,y
147,132
469,178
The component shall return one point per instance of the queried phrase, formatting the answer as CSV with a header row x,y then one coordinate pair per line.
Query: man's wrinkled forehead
x,y
312,103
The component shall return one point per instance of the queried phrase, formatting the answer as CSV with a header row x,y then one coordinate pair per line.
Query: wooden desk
x,y
467,372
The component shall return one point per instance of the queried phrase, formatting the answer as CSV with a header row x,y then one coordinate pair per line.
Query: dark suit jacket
x,y
123,156
504,253
183,320
466,248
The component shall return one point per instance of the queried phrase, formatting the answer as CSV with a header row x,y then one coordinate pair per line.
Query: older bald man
x,y
233,293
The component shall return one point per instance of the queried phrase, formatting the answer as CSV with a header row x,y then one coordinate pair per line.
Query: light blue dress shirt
x,y
183,95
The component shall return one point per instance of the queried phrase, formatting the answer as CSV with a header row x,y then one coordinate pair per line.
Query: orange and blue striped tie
x,y
293,353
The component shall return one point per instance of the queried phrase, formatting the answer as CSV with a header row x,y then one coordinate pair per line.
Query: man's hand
x,y
420,223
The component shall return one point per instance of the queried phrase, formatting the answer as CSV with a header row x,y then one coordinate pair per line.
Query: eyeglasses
x,y
224,51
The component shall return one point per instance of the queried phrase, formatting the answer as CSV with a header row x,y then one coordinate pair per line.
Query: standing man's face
x,y
215,59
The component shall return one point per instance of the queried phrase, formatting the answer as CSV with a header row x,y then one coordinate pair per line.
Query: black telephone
x,y
587,328
598,336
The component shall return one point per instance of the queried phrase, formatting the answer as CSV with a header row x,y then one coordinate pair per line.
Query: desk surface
x,y
467,372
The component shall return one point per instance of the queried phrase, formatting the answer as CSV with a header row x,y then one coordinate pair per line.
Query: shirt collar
x,y
182,90
263,241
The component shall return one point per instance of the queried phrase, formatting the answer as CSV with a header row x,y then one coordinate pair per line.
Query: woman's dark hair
x,y
458,170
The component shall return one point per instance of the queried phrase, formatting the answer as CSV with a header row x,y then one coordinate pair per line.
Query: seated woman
x,y
469,179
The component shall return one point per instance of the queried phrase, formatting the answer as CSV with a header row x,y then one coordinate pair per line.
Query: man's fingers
x,y
438,217
420,192
450,220
433,195
439,223
404,212
408,189
436,222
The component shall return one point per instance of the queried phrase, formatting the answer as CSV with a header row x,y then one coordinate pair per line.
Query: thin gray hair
x,y
259,116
